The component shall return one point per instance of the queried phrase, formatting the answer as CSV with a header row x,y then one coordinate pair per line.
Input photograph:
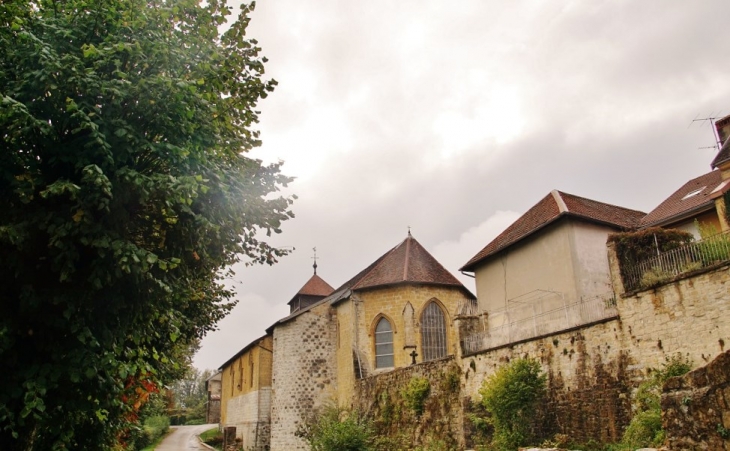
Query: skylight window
x,y
693,193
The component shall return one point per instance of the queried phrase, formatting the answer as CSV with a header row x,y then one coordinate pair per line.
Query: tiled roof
x,y
315,286
693,197
551,207
408,262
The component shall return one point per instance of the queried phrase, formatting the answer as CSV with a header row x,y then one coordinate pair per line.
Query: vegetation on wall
x,y
645,429
415,394
334,429
510,396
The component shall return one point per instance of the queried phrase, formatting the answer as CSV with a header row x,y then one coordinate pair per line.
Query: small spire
x,y
315,260
409,231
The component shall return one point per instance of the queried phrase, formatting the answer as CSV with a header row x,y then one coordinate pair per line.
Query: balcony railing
x,y
667,265
541,323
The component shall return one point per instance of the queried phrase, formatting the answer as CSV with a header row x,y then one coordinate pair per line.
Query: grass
x,y
153,445
213,437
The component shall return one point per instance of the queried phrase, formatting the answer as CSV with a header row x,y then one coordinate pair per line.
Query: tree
x,y
125,193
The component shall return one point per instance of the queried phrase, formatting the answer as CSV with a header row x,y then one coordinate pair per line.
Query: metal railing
x,y
667,265
542,323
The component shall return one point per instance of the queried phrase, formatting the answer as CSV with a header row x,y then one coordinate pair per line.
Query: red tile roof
x,y
550,208
315,286
408,262
681,205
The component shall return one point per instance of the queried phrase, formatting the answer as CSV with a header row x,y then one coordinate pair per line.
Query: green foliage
x,y
213,437
714,247
333,429
645,428
633,247
125,192
190,397
510,396
415,394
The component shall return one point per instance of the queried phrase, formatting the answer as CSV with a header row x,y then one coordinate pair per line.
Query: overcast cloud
x,y
454,118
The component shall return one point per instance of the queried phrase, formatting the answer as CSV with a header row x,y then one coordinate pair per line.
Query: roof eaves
x,y
243,351
706,206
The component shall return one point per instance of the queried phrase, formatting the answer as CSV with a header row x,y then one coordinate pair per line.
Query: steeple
x,y
313,291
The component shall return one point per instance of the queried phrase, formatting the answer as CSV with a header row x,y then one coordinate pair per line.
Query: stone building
x,y
213,405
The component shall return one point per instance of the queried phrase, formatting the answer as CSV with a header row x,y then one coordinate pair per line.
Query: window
x,y
383,344
433,332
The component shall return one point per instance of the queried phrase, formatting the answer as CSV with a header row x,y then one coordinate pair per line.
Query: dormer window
x,y
693,193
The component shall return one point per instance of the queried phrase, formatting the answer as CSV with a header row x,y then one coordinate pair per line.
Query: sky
x,y
454,118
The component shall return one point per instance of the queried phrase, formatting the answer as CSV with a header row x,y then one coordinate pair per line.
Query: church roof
x,y
695,196
315,286
408,262
552,207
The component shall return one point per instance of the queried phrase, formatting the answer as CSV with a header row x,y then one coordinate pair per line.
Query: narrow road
x,y
184,438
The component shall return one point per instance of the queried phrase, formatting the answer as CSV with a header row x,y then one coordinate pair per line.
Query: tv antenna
x,y
711,119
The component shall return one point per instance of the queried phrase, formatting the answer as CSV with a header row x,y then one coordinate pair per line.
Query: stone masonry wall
x,y
381,398
696,408
304,372
249,413
593,371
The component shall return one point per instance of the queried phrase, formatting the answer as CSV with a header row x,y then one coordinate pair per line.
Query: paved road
x,y
184,438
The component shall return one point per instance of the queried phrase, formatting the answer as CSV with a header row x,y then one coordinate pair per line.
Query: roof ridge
x,y
408,251
557,196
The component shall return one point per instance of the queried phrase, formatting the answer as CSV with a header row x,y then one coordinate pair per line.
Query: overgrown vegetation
x,y
714,247
334,429
213,437
415,394
125,191
645,429
510,396
634,247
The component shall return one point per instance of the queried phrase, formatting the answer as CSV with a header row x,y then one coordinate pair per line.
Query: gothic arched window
x,y
433,332
383,344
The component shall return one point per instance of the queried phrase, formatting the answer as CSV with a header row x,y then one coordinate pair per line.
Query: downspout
x,y
355,301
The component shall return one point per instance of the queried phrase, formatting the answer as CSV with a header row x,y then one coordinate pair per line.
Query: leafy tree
x,y
125,193
510,395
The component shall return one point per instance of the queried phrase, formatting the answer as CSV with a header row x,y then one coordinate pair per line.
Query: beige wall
x,y
709,218
246,394
567,257
358,316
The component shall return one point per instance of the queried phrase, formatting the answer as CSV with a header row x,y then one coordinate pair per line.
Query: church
x,y
398,311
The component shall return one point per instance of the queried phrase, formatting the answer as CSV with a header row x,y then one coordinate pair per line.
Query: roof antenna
x,y
315,260
711,119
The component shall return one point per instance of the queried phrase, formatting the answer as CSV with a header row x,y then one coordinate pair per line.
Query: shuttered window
x,y
433,332
383,344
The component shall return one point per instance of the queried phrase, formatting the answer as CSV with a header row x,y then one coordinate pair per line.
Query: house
x,y
213,405
397,311
700,201
552,256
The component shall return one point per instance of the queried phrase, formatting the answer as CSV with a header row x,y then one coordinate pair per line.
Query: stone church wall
x,y
303,374
250,414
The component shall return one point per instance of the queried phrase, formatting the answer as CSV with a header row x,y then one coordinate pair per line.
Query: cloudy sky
x,y
454,118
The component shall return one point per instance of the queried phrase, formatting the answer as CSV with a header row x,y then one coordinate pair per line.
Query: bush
x,y
334,429
415,394
510,396
645,429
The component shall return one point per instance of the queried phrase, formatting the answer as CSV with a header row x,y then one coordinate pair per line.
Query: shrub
x,y
334,429
415,394
645,428
510,396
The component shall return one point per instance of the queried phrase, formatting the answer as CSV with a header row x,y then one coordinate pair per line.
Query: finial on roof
x,y
315,260
409,230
